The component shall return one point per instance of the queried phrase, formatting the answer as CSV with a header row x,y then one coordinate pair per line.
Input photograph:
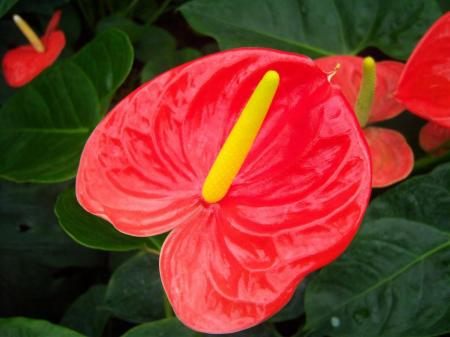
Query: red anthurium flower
x,y
24,63
392,157
424,86
294,205
434,138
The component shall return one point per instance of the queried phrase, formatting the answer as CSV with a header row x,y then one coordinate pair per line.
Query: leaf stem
x,y
150,250
167,307
366,94
428,162
154,243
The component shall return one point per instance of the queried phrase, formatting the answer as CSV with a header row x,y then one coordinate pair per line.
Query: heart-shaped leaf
x,y
35,254
86,314
5,5
107,61
90,230
163,328
393,280
46,123
26,327
314,28
30,230
135,292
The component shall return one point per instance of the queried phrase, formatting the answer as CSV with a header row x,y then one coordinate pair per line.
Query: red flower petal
x,y
210,289
432,136
53,23
294,206
24,63
425,83
392,157
348,78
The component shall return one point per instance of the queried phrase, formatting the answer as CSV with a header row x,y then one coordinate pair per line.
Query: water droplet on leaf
x,y
335,322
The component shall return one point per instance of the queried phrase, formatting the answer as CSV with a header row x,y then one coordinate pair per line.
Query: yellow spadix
x,y
31,36
240,140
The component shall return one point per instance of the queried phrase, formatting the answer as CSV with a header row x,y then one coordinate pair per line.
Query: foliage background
x,y
69,274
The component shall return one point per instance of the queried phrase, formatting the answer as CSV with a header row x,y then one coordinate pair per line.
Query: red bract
x,y
294,206
424,86
348,78
434,138
24,63
392,158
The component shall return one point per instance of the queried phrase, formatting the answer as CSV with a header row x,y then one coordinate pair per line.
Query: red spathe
x,y
24,63
392,158
348,78
294,206
424,86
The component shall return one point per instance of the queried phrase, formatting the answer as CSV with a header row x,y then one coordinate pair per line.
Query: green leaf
x,y
314,28
135,292
133,30
294,308
445,5
35,253
261,330
169,327
155,43
86,314
29,228
26,327
107,61
162,62
5,6
90,230
46,123
393,280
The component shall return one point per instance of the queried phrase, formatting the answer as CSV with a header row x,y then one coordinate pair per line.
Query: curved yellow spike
x,y
29,33
240,140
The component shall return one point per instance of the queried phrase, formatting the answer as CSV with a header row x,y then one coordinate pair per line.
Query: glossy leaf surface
x,y
89,230
393,280
39,140
24,63
163,328
425,83
5,5
25,327
434,138
294,206
34,251
314,28
134,292
294,308
161,62
107,61
87,314
45,124
392,157
348,78
30,230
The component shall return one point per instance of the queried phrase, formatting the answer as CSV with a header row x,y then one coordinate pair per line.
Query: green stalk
x,y
427,163
167,307
366,91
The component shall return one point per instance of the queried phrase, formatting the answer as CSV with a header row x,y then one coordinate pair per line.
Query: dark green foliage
x,y
91,280
397,271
